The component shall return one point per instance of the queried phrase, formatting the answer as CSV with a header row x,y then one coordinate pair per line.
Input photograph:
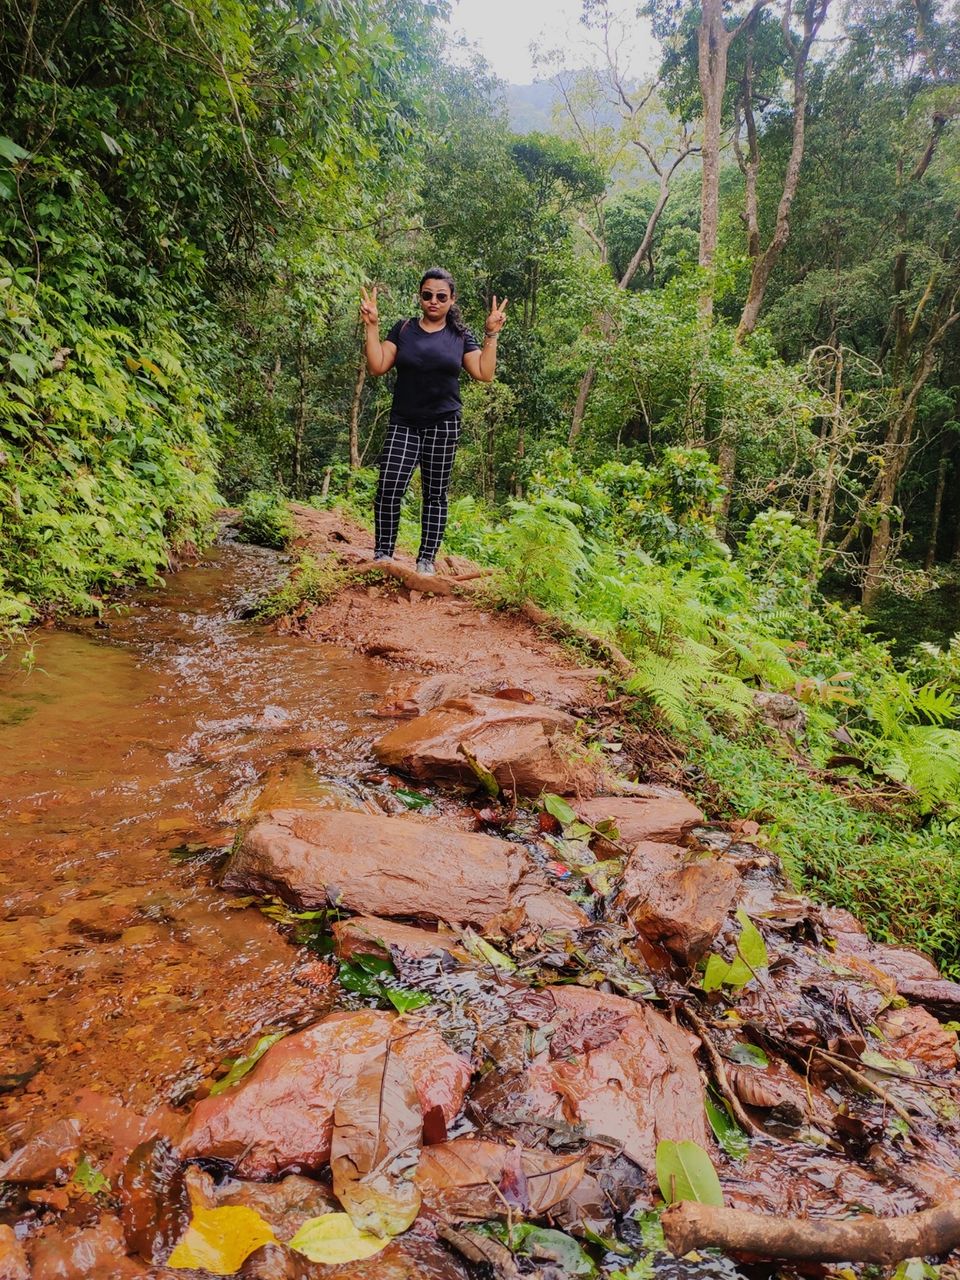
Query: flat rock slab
x,y
664,815
279,1118
512,740
677,901
637,1088
393,866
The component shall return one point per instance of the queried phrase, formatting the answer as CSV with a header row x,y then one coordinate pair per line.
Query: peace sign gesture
x,y
497,317
368,306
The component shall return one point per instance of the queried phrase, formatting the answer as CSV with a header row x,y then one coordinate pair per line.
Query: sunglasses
x,y
427,296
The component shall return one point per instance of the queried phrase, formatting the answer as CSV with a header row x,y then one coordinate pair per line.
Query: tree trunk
x,y
931,557
300,424
712,44
814,12
355,412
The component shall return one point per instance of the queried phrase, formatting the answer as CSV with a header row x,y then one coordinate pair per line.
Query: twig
x,y
864,1082
721,1077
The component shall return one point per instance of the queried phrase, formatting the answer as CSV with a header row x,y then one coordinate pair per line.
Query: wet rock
x,y
677,902
279,1119
285,1205
632,1092
797,1182
916,1036
47,1155
90,1254
393,866
663,815
368,935
471,1179
154,1210
942,996
423,695
512,740
13,1260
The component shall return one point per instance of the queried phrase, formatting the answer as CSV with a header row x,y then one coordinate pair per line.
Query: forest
x,y
724,429
704,533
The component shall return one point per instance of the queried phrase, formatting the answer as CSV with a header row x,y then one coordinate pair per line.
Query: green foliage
x,y
106,453
782,560
266,520
374,976
311,582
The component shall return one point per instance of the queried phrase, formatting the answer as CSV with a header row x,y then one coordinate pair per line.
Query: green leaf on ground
x,y
686,1172
89,1179
558,808
332,1238
747,1055
242,1065
727,1132
413,799
750,944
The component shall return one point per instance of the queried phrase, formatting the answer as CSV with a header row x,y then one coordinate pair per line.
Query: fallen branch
x,y
568,631
933,1232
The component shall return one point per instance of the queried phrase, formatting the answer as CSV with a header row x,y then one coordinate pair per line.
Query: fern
x,y
932,759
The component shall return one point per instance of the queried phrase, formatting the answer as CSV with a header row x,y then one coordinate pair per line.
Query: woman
x,y
428,352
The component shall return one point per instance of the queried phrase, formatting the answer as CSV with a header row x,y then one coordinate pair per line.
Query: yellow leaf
x,y
219,1240
132,365
333,1238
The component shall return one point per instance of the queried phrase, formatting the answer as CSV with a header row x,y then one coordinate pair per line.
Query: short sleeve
x,y
469,342
394,334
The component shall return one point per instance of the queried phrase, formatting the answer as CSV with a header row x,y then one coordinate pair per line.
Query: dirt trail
x,y
519,1030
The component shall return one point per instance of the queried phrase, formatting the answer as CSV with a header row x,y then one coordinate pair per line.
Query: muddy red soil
x,y
553,1030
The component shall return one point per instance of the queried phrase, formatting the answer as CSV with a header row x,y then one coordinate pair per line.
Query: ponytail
x,y
454,318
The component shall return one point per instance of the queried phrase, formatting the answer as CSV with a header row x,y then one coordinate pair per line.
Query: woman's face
x,y
436,299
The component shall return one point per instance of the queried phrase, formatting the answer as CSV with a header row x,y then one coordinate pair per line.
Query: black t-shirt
x,y
428,372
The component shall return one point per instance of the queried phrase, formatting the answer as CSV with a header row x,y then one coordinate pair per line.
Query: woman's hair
x,y
454,318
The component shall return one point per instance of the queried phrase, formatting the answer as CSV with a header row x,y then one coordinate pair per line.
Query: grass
x,y
899,878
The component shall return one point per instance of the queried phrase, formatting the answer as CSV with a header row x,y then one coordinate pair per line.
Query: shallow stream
x,y
127,748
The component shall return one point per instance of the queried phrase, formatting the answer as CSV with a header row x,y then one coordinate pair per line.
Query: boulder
x,y
13,1260
393,866
48,1155
370,936
512,740
279,1118
664,815
421,696
677,902
635,1089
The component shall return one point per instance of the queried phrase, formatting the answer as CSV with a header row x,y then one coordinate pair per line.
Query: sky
x,y
504,29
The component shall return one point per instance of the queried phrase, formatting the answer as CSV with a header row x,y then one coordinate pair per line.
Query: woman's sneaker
x,y
381,555
426,567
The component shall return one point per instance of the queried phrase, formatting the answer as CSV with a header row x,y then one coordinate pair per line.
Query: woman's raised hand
x,y
497,317
368,306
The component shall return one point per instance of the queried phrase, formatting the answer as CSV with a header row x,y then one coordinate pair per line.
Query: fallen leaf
x,y
242,1065
460,1179
220,1240
377,1129
332,1238
586,1031
515,695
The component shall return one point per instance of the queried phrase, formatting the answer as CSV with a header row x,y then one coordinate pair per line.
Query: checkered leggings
x,y
434,447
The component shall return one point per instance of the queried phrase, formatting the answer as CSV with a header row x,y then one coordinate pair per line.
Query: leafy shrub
x,y
266,520
781,559
105,453
310,583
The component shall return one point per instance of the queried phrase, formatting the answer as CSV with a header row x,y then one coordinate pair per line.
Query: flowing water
x,y
127,749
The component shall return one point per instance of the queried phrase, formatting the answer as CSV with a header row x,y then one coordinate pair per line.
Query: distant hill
x,y
530,106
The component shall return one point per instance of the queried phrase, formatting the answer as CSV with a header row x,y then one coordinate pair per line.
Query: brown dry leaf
x,y
461,1180
513,694
377,1128
586,1031
756,1088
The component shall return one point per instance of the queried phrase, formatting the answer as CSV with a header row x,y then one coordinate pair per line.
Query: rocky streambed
x,y
497,995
